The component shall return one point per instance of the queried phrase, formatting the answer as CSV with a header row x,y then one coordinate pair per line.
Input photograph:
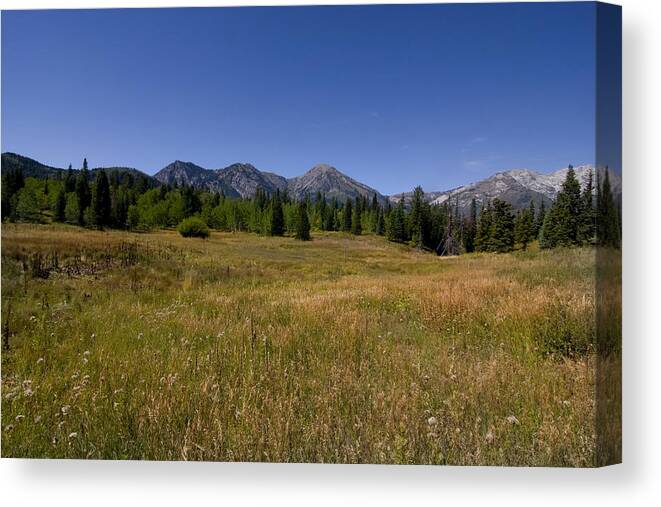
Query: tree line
x,y
123,200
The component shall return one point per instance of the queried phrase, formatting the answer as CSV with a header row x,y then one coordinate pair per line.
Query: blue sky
x,y
394,96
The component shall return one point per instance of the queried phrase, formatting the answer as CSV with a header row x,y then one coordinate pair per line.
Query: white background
x,y
636,482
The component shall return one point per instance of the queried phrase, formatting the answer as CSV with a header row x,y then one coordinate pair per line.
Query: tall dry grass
x,y
250,348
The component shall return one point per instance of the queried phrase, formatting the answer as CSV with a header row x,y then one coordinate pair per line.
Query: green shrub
x,y
193,227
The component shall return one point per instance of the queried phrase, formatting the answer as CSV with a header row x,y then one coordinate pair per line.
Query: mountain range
x,y
517,186
243,180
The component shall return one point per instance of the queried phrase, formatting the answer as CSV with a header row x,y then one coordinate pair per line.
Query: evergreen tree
x,y
524,226
608,229
416,218
380,223
60,206
483,235
277,216
329,219
375,203
190,199
101,206
12,182
321,211
397,223
356,219
120,208
501,232
561,224
83,193
587,225
539,220
347,216
70,181
302,222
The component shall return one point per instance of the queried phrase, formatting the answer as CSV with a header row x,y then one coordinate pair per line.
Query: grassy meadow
x,y
248,348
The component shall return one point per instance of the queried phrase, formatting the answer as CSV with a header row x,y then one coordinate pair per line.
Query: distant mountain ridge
x,y
516,186
32,168
242,179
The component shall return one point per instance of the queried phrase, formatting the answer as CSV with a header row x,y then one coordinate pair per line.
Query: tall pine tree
x,y
356,219
501,232
347,216
302,222
83,193
277,216
608,230
562,222
101,200
482,237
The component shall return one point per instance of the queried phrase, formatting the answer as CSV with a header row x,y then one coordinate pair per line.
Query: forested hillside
x,y
127,199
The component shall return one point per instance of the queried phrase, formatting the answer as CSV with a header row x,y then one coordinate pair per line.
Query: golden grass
x,y
251,348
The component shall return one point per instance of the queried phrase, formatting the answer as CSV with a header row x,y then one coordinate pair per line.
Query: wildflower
x,y
40,360
65,409
512,420
86,353
37,419
28,392
489,437
73,434
432,421
9,427
19,417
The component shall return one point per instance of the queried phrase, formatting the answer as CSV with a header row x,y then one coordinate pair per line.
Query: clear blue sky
x,y
394,96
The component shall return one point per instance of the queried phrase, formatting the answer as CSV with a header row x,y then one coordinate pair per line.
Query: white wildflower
x,y
432,421
512,420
